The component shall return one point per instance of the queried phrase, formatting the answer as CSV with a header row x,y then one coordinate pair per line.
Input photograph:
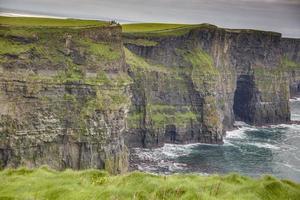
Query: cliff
x,y
64,96
75,94
291,59
191,83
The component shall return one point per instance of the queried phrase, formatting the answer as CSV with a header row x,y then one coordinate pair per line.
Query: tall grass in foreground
x,y
44,183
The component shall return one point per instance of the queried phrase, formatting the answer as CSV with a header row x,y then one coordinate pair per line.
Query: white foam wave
x,y
168,151
177,150
295,99
264,145
296,157
177,166
146,168
295,127
241,124
227,143
289,166
239,133
295,117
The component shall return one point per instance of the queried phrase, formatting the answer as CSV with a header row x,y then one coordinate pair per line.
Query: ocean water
x,y
248,150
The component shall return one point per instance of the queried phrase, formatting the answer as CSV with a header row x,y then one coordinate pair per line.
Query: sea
x,y
248,150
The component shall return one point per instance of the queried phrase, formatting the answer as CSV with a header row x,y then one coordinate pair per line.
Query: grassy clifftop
x,y
93,184
164,29
146,27
161,29
64,46
48,22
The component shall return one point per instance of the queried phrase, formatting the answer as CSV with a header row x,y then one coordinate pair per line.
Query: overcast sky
x,y
274,15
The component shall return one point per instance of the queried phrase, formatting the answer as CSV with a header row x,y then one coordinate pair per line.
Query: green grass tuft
x,y
7,47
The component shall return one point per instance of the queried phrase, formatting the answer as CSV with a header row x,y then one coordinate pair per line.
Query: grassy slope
x,y
49,22
93,184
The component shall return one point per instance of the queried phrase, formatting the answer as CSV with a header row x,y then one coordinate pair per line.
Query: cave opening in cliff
x,y
170,133
243,104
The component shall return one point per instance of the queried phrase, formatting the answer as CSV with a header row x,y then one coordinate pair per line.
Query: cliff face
x,y
291,49
174,94
64,98
262,94
73,97
211,76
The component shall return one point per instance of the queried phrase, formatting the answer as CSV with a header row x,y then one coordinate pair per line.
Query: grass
x,y
204,72
160,29
168,114
288,64
165,29
7,47
48,22
45,48
104,51
105,100
146,27
137,62
202,63
162,119
134,60
72,74
44,183
162,115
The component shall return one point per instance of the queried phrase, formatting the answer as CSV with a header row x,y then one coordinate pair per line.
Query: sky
x,y
273,15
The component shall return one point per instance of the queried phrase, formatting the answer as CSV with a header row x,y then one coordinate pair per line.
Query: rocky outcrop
x,y
291,49
219,75
64,97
